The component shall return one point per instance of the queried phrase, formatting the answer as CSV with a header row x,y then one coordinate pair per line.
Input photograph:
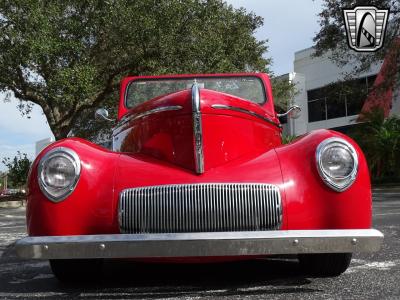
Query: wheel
x,y
74,270
325,264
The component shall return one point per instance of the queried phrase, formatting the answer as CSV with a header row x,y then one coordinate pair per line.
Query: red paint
x,y
89,208
166,135
158,149
311,204
227,134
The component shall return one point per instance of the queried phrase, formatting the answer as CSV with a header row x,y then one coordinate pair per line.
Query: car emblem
x,y
365,27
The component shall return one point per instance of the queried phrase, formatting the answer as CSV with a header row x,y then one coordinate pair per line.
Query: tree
x,y
332,37
283,91
332,40
378,137
2,184
18,169
69,56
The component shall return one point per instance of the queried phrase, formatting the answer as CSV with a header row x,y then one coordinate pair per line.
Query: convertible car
x,y
198,173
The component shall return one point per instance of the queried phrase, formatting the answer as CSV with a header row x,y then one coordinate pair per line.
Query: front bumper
x,y
200,244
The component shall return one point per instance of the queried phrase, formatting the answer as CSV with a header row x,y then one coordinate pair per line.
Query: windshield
x,y
247,87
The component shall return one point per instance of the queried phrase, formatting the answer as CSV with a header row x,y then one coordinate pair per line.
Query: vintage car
x,y
198,172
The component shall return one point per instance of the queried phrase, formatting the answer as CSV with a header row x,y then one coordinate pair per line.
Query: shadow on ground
x,y
127,279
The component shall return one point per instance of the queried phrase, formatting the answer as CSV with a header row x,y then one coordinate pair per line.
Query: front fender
x,y
88,209
310,203
92,207
307,202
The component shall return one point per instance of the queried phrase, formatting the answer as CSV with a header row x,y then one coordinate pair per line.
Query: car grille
x,y
200,208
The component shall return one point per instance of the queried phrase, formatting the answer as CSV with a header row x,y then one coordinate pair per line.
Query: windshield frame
x,y
193,77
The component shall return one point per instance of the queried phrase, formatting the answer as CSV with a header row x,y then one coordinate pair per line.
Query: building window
x,y
316,110
338,100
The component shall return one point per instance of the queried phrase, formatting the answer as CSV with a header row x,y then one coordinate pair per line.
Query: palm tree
x,y
379,137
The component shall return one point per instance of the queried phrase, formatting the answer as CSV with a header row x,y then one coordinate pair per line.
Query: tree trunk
x,y
61,132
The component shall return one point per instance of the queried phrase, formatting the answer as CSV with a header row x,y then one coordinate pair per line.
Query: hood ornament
x,y
197,129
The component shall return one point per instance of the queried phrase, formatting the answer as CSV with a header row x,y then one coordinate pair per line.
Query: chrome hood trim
x,y
147,113
245,111
197,130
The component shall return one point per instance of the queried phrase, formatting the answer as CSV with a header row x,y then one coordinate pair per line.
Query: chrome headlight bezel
x,y
62,193
338,184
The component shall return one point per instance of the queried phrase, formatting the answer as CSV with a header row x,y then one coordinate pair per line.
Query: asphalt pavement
x,y
370,276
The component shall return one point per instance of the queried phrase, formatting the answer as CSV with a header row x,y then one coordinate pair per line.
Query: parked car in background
x,y
9,192
198,172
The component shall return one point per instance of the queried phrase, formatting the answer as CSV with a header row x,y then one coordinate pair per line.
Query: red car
x,y
198,172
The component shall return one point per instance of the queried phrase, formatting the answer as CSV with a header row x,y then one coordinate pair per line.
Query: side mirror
x,y
293,112
102,114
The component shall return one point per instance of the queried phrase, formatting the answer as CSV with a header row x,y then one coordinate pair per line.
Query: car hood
x,y
197,129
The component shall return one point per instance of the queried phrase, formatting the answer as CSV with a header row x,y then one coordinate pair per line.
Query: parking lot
x,y
370,276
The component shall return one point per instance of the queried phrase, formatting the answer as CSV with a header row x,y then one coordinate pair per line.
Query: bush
x,y
287,139
379,138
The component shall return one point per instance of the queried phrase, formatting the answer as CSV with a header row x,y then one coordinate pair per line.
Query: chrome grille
x,y
200,208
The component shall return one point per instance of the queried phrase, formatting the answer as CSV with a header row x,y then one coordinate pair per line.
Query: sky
x,y
19,133
289,26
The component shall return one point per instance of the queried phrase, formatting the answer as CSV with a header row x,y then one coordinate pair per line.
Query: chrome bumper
x,y
200,244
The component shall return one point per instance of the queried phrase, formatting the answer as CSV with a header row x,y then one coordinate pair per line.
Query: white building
x,y
313,76
40,145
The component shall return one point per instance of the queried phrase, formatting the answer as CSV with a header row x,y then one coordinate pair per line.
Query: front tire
x,y
75,270
325,264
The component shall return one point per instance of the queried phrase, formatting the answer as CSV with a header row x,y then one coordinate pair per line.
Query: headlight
x,y
337,163
58,173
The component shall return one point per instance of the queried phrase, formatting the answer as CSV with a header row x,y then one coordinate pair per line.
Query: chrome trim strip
x,y
200,244
149,112
242,110
197,130
217,207
345,182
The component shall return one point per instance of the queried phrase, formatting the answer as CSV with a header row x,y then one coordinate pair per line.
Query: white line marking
x,y
398,213
39,276
10,227
12,217
10,267
30,295
376,265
